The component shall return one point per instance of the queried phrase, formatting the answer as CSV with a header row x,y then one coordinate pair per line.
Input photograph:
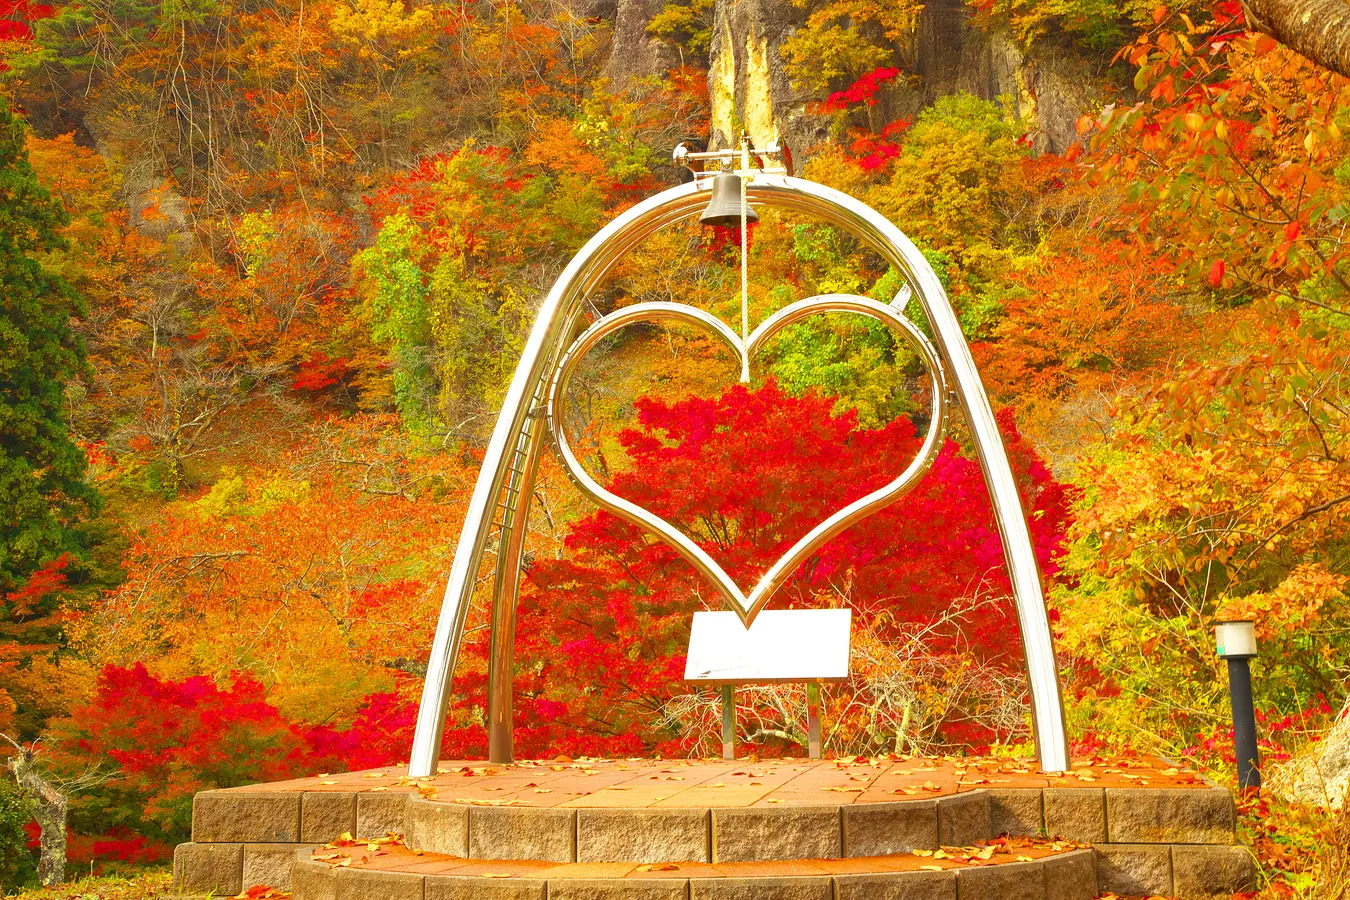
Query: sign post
x,y
782,647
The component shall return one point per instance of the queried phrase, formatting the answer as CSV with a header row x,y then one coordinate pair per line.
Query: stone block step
x,y
913,803
710,835
1021,869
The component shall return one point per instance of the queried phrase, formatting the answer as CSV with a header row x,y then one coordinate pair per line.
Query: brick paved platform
x,y
855,827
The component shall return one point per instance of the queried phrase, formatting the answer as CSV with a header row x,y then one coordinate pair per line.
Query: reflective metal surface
x,y
536,370
724,209
510,553
749,605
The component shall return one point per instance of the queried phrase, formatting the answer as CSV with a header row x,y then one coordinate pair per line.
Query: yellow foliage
x,y
834,44
384,31
951,184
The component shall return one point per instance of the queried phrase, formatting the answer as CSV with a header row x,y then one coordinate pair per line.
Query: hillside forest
x,y
268,266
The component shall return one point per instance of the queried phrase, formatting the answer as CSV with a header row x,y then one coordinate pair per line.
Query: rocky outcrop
x,y
1321,775
157,209
1050,87
747,85
634,53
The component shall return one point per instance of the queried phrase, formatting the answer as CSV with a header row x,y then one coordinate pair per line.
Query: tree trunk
x,y
1318,29
49,808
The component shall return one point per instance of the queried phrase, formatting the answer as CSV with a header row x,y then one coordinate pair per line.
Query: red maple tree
x,y
602,633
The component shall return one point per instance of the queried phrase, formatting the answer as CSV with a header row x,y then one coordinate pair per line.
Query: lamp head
x,y
1236,639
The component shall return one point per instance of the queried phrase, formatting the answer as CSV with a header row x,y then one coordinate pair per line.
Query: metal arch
x,y
517,423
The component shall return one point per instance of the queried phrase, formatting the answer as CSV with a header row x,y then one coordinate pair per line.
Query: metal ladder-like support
x,y
513,516
511,523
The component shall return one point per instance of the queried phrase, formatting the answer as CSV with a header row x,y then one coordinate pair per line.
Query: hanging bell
x,y
724,209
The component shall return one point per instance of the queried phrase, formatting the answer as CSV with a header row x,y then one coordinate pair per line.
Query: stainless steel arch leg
x,y
865,223
505,595
586,270
550,327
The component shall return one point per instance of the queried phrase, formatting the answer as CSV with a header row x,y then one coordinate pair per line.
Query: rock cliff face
x,y
1049,87
157,209
746,83
749,89
635,54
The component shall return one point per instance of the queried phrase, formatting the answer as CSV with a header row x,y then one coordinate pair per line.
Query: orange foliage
x,y
315,577
1231,157
285,296
1090,315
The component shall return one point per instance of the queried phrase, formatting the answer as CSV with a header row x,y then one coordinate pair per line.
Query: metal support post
x,y
728,721
1244,723
813,719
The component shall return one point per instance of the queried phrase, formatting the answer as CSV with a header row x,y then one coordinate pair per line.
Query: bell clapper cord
x,y
745,271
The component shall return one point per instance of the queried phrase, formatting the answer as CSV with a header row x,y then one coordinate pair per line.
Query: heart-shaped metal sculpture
x,y
747,606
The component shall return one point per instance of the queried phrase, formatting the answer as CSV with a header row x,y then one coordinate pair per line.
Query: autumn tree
x,y
955,183
1223,490
746,473
1089,317
687,26
305,101
43,493
317,574
841,41
1221,487
468,240
157,741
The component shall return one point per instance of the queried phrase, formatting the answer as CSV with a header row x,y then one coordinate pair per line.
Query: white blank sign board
x,y
782,645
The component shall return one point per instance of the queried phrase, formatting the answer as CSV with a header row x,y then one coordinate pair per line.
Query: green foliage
x,y
71,42
397,309
43,494
687,24
950,185
611,128
477,334
858,360
956,188
439,297
18,867
847,357
832,258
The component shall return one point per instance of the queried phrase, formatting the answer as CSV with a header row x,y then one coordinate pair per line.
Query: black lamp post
x,y
1237,644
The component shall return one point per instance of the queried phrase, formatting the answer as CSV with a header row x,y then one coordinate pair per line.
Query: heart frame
x,y
748,606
